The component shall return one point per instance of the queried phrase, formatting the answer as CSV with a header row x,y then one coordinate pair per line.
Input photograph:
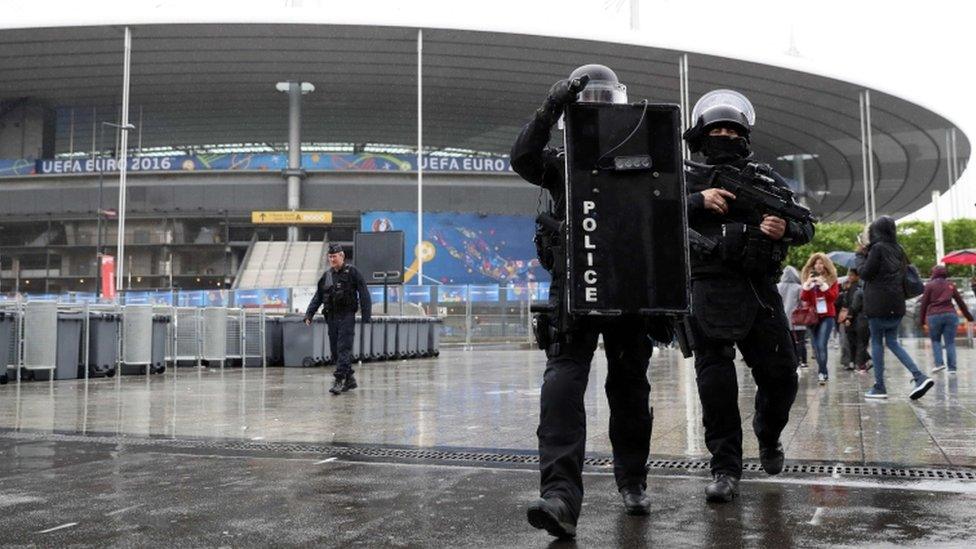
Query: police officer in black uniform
x,y
340,292
562,425
734,297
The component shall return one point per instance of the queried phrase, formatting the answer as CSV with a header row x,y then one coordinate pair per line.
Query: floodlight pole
x,y
127,58
870,140
937,225
420,156
683,101
865,160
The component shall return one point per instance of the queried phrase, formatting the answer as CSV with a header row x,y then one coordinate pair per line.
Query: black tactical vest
x,y
339,289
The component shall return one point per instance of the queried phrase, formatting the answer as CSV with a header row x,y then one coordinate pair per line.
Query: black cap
x,y
335,249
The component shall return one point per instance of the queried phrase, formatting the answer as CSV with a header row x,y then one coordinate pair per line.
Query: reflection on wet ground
x,y
59,493
106,492
490,399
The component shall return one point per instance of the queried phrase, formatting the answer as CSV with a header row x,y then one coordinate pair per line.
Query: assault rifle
x,y
756,191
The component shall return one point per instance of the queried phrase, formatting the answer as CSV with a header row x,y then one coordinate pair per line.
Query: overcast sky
x,y
920,51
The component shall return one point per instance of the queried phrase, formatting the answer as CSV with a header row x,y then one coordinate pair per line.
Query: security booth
x,y
625,209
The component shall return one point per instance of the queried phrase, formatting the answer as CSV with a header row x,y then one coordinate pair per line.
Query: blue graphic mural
x,y
465,248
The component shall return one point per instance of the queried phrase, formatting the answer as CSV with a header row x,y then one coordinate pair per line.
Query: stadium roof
x,y
200,84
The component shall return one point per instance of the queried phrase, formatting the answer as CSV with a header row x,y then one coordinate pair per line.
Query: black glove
x,y
561,93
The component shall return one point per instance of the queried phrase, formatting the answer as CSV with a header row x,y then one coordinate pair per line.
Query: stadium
x,y
210,141
177,181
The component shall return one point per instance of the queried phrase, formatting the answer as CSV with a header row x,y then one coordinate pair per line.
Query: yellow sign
x,y
292,218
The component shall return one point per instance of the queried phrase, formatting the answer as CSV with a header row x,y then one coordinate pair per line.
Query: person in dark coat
x,y
937,311
340,292
735,302
569,351
855,322
857,334
883,268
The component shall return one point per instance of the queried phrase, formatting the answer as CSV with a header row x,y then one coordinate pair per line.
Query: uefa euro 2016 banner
x,y
365,162
465,248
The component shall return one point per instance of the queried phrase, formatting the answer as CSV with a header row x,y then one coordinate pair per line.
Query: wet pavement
x,y
59,493
138,478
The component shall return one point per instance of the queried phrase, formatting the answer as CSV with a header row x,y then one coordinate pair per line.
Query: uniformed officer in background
x,y
562,423
340,292
734,297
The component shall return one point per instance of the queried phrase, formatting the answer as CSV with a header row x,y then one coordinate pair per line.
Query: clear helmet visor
x,y
729,98
603,91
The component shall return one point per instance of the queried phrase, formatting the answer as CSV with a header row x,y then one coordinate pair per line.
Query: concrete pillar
x,y
27,130
294,152
798,176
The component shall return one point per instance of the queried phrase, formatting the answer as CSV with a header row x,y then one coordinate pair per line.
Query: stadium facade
x,y
209,143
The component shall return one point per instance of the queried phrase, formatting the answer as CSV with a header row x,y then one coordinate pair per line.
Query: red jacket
x,y
810,298
938,296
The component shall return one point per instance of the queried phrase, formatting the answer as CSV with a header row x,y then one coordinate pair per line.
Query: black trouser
x,y
767,347
562,424
800,345
858,338
342,330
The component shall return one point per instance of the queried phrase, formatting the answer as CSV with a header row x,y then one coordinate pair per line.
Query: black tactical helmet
x,y
720,108
603,87
724,115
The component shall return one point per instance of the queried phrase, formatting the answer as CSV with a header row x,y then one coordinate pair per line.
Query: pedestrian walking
x,y
789,292
937,311
856,323
883,268
340,293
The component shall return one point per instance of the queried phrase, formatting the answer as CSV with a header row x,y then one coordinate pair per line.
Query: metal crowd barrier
x,y
385,338
46,341
188,335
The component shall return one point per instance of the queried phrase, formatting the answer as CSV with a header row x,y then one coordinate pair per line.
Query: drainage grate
x,y
468,456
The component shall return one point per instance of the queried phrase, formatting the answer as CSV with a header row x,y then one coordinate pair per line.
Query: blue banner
x,y
276,298
17,167
312,162
465,248
162,297
137,298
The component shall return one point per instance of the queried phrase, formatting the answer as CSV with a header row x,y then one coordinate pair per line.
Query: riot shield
x,y
625,210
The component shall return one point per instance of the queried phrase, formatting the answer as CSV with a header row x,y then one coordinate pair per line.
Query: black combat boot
x,y
337,385
636,501
553,515
723,489
771,458
350,383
